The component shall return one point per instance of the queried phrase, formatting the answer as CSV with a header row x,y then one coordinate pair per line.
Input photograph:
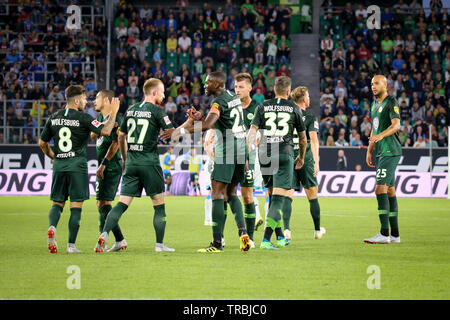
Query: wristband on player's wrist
x,y
105,162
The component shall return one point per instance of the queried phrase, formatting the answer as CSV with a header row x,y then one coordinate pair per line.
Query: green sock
x,y
74,224
217,220
195,188
275,212
236,208
287,210
383,212
250,216
393,216
168,187
314,208
103,215
54,215
224,220
113,216
159,222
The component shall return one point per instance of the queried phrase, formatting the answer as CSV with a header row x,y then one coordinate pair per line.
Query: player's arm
x,y
112,150
369,151
46,149
111,122
302,144
189,126
315,150
208,145
122,142
251,137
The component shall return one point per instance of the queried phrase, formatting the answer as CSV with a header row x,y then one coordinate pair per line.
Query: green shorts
x,y
305,176
385,170
249,177
228,173
137,178
106,188
193,176
69,184
282,176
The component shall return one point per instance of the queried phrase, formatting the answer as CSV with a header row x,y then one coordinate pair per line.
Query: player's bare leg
x,y
53,217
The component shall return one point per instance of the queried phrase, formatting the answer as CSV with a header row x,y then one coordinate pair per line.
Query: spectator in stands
x,y
341,164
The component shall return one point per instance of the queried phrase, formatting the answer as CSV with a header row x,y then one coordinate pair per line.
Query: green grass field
x,y
334,267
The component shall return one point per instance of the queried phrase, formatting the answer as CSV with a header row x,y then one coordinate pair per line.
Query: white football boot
x,y
287,234
101,243
394,239
72,249
318,234
119,245
161,247
379,238
51,240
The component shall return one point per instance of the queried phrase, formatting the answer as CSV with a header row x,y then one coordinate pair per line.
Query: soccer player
x,y
167,164
194,171
139,130
385,140
278,118
109,170
243,87
226,116
70,128
308,173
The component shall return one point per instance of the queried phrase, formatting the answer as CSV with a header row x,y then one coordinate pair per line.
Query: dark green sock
x,y
168,187
314,209
236,208
250,216
159,222
393,216
198,187
54,215
74,224
224,220
383,212
287,210
275,212
113,216
103,215
217,214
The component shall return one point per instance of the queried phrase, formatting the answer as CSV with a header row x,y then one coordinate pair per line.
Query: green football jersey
x,y
382,114
311,124
142,123
230,127
249,113
70,130
104,142
278,118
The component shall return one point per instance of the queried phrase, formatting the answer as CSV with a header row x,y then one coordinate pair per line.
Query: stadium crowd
x,y
34,39
181,48
411,48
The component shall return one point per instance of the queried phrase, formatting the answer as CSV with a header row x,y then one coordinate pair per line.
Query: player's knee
x,y
380,189
391,192
61,204
157,199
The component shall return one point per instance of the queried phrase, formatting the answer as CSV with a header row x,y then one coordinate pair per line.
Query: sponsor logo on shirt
x,y
96,124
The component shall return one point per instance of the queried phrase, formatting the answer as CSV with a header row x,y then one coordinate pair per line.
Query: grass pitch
x,y
334,267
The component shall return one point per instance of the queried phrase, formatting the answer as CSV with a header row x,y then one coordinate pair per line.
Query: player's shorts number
x,y
250,175
131,125
381,173
238,115
278,123
64,143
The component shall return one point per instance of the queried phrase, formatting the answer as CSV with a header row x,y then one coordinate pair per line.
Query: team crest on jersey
x,y
96,124
250,116
376,123
380,109
303,118
396,110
